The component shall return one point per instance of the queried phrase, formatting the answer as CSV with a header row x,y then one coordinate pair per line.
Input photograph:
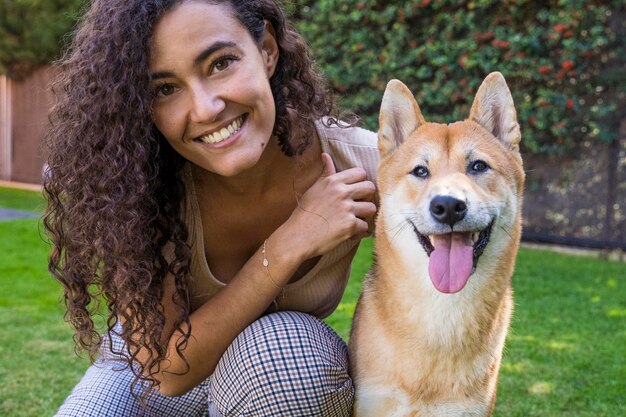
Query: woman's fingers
x,y
338,206
361,230
362,191
364,209
329,166
351,175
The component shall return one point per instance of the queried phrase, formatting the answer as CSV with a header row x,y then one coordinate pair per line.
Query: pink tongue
x,y
451,262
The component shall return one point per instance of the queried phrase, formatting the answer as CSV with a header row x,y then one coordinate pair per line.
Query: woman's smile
x,y
220,135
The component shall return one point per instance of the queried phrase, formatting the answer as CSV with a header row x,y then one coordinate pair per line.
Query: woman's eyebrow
x,y
212,49
207,52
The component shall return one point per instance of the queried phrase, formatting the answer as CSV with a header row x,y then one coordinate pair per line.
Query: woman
x,y
195,189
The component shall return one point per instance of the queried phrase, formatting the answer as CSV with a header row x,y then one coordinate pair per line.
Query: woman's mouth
x,y
224,133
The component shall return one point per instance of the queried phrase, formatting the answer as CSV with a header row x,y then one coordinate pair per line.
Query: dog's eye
x,y
478,167
420,171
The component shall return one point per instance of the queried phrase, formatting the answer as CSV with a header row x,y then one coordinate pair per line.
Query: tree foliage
x,y
31,32
563,59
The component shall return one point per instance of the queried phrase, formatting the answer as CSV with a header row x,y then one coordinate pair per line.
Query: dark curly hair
x,y
114,185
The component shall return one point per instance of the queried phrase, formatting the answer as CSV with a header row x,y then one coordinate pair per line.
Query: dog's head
x,y
456,189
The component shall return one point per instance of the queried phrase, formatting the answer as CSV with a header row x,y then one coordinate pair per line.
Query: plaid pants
x,y
284,364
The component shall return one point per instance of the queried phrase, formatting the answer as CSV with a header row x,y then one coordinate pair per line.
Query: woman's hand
x,y
335,208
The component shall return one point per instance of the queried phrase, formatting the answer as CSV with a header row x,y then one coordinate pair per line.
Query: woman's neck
x,y
274,170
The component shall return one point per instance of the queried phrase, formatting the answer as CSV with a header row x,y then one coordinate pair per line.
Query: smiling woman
x,y
201,189
219,79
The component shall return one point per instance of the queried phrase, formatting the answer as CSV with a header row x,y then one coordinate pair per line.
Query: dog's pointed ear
x,y
494,109
399,117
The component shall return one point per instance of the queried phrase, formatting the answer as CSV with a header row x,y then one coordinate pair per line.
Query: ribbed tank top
x,y
320,290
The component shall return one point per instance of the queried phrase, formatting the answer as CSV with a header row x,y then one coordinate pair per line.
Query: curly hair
x,y
114,186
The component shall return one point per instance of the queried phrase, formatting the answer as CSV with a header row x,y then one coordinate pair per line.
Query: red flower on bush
x,y
483,36
401,16
570,104
498,43
560,28
545,69
463,61
568,65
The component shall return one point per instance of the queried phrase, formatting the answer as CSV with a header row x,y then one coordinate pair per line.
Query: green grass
x,y
21,199
564,354
37,365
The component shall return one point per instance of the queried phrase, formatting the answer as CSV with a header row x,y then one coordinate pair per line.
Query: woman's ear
x,y
269,49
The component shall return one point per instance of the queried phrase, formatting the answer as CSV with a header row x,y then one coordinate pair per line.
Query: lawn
x,y
21,199
564,355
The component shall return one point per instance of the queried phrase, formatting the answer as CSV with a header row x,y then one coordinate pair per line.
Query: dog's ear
x,y
493,109
399,117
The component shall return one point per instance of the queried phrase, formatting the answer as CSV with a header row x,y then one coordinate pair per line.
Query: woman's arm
x,y
334,209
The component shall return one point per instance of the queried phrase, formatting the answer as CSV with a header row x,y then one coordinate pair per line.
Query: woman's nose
x,y
205,105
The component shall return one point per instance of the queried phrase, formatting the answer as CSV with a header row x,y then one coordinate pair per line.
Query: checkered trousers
x,y
284,364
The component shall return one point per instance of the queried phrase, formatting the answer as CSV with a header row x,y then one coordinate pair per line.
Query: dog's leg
x,y
377,401
455,410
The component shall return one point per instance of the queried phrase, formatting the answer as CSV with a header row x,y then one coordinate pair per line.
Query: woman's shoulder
x,y
331,131
349,146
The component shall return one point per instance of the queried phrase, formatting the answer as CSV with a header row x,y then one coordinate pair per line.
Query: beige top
x,y
320,290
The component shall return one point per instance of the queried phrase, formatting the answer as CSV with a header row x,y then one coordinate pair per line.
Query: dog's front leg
x,y
376,400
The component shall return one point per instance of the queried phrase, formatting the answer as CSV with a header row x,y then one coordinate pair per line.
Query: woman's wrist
x,y
267,265
283,249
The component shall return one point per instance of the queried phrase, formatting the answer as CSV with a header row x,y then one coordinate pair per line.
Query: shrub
x,y
31,32
563,60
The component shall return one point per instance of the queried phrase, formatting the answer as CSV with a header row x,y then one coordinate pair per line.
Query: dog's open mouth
x,y
453,256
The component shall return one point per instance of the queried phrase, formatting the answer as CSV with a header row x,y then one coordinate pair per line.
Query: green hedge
x,y
31,32
563,60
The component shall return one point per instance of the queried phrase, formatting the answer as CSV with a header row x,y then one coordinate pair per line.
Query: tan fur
x,y
413,350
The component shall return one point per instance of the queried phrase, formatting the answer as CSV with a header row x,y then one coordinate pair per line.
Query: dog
x,y
431,322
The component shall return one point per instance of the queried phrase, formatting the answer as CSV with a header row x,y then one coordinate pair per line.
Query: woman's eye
x,y
478,166
164,90
420,171
222,63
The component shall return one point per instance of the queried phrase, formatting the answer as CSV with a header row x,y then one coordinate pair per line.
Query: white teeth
x,y
224,133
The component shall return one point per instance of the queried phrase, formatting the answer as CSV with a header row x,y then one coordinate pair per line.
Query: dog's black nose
x,y
447,209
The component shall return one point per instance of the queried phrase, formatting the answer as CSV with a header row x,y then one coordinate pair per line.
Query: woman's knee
x,y
105,390
285,363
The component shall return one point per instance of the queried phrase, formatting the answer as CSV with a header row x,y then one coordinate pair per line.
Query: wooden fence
x,y
24,109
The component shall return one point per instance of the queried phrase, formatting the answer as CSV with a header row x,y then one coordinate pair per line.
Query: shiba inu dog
x,y
431,322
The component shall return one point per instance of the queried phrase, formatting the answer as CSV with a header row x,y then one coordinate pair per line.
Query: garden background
x,y
564,62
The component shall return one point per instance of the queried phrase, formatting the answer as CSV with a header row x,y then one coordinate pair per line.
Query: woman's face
x,y
210,84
